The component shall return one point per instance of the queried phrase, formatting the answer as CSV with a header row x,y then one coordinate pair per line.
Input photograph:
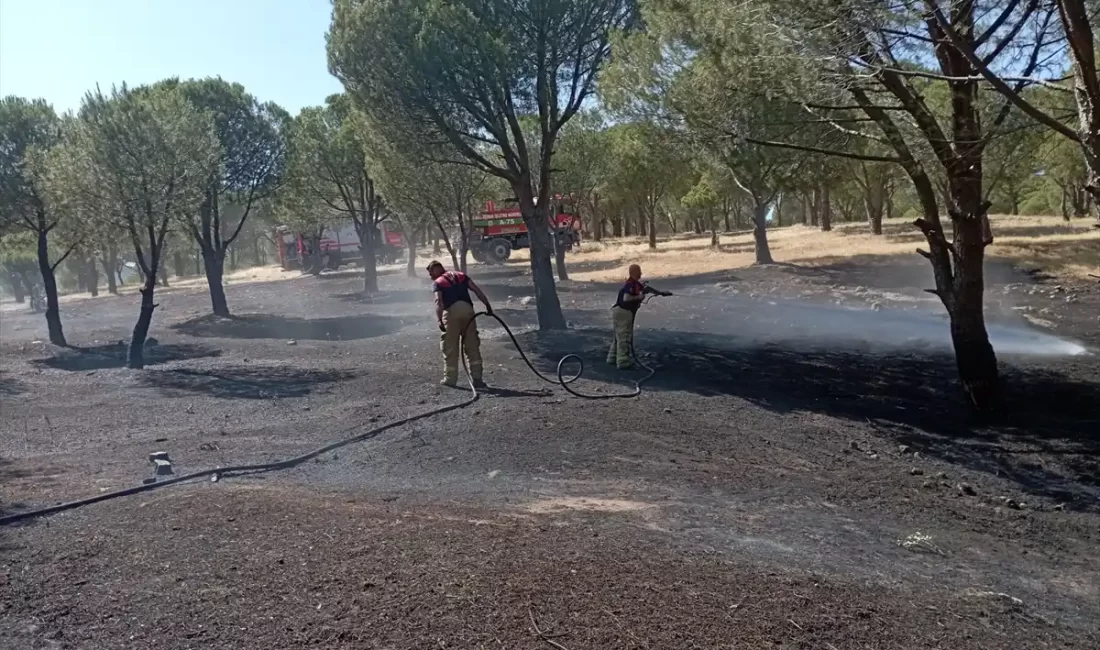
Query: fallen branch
x,y
539,633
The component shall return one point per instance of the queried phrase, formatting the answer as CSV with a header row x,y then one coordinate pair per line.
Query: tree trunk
x,y
807,209
559,258
136,360
15,279
643,221
112,286
727,219
435,246
179,264
410,245
542,273
617,227
450,247
49,287
974,356
370,267
874,202
597,219
109,260
815,214
713,223
826,210
652,228
874,215
92,275
760,234
214,265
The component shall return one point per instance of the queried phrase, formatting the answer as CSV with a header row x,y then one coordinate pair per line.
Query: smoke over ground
x,y
808,325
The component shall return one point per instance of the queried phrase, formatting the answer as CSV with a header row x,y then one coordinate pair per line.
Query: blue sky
x,y
58,49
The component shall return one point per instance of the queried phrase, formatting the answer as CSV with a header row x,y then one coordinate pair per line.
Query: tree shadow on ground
x,y
1036,231
10,386
271,326
103,357
915,400
737,248
7,474
895,272
243,382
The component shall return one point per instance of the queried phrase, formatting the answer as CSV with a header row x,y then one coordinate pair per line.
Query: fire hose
x,y
218,472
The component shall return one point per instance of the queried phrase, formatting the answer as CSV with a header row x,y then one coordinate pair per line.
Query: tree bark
x,y
760,234
110,267
815,213
874,202
826,210
464,226
652,217
91,273
15,279
597,219
49,287
214,265
370,264
410,245
179,264
535,217
874,216
136,358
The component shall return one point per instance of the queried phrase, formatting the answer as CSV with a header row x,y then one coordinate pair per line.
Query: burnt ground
x,y
800,473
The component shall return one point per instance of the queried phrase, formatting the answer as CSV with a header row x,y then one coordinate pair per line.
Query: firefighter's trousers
x,y
461,335
622,324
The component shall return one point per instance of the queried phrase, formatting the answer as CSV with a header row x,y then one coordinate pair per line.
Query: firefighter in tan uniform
x,y
631,295
454,310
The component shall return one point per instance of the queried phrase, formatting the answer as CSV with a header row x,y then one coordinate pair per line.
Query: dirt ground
x,y
1064,248
800,473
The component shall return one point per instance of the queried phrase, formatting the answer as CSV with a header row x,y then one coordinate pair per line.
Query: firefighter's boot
x,y
622,326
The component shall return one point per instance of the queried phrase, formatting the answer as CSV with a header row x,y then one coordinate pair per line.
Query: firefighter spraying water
x,y
630,298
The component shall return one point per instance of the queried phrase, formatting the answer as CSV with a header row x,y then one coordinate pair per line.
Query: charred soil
x,y
801,473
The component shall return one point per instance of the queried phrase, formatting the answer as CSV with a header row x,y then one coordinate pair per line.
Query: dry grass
x,y
267,273
1058,247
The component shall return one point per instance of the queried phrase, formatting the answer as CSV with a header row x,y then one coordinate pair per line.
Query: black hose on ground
x,y
561,380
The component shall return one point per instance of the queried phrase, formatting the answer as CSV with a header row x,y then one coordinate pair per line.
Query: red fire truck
x,y
337,245
499,230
